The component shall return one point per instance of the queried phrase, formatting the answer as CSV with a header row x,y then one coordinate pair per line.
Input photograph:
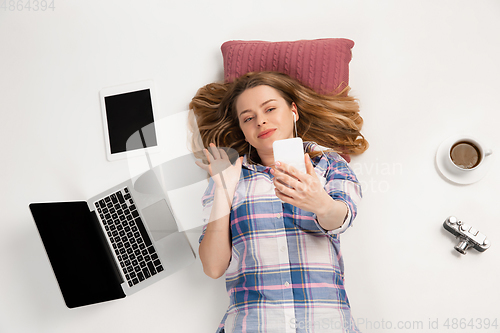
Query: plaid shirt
x,y
286,273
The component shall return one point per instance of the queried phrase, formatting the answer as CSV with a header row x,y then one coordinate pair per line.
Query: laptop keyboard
x,y
128,236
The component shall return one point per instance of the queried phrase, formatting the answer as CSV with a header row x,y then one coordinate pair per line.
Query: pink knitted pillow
x,y
320,64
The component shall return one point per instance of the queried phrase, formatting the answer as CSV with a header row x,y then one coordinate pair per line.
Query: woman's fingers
x,y
217,159
286,179
202,165
289,170
215,151
223,154
219,167
209,157
288,173
211,153
284,189
309,166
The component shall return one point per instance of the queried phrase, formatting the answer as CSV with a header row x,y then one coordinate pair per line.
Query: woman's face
x,y
264,117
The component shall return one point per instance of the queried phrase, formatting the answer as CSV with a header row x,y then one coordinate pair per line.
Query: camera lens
x,y
462,246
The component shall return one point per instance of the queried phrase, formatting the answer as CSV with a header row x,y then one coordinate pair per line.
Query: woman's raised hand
x,y
223,172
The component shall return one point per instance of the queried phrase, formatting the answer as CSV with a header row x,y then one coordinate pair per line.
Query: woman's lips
x,y
266,133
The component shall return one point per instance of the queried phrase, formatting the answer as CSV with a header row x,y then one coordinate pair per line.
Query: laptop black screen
x,y
77,252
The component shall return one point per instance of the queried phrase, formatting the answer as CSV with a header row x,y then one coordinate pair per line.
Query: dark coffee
x,y
465,155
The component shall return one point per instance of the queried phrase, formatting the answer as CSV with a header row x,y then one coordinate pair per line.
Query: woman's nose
x,y
261,120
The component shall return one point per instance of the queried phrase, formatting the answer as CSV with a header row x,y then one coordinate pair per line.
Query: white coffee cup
x,y
465,154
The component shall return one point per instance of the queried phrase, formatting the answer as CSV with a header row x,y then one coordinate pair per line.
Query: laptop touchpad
x,y
159,219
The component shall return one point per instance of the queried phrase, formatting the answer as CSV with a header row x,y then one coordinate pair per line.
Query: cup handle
x,y
488,152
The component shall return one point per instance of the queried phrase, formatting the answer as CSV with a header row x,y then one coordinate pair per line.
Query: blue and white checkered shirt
x,y
286,272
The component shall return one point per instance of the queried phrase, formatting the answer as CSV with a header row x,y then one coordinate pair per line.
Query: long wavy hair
x,y
331,121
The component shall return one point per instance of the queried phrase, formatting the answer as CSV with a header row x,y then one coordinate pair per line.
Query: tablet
x,y
128,113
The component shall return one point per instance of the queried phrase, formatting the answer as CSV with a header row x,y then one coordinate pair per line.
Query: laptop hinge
x,y
109,254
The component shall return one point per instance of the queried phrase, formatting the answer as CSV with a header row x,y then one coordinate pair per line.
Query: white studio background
x,y
422,70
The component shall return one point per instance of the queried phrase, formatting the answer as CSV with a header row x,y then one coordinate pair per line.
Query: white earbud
x,y
294,122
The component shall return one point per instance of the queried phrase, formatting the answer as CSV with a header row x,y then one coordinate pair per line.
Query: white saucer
x,y
467,177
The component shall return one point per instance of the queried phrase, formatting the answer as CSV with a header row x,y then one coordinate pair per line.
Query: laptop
x,y
112,245
119,241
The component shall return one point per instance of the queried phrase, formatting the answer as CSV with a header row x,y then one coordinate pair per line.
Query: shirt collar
x,y
253,166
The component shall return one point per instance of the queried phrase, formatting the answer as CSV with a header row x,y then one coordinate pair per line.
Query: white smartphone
x,y
290,151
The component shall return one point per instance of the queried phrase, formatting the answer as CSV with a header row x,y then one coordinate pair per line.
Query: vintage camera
x,y
467,235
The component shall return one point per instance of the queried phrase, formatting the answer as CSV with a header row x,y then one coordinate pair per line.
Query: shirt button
x,y
283,249
278,215
287,284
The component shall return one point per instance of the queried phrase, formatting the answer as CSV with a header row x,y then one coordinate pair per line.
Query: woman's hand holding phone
x,y
303,190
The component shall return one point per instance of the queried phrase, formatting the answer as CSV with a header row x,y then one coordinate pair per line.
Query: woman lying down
x,y
272,229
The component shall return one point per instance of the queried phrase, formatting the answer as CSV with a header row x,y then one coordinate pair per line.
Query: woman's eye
x,y
249,118
270,109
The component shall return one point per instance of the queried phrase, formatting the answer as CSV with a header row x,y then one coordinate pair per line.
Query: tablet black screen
x,y
127,114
